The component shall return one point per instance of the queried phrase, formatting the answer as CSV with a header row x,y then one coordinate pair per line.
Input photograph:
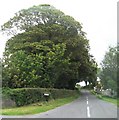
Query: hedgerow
x,y
25,96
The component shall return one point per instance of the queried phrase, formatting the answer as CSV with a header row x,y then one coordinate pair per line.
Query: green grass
x,y
38,107
108,99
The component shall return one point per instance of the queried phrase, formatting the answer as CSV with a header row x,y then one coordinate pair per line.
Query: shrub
x,y
25,96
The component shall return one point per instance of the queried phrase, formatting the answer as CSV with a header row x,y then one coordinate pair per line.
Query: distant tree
x,y
109,68
0,73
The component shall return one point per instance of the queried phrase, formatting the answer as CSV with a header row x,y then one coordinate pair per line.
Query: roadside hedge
x,y
25,96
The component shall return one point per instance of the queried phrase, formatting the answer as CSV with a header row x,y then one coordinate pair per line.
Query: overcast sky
x,y
99,19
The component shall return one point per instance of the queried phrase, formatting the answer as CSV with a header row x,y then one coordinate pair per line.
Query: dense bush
x,y
25,96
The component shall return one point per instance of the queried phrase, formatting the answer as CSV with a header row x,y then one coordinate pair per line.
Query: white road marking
x,y
87,102
88,111
87,98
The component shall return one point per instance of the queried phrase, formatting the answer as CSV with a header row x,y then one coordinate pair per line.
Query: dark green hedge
x,y
25,96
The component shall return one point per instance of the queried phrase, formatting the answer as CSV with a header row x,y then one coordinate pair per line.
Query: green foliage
x,y
78,87
33,70
51,50
38,107
25,96
0,76
37,15
108,73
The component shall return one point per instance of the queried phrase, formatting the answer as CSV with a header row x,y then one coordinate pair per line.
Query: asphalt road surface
x,y
86,106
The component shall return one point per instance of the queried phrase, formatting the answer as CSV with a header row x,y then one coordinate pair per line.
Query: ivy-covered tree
x,y
45,32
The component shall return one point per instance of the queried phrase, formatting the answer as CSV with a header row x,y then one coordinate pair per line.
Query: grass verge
x,y
38,107
106,98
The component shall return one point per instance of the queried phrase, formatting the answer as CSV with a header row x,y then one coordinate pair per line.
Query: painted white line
x,y
88,111
87,98
87,102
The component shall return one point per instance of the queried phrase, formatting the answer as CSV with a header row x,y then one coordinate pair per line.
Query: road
x,y
87,106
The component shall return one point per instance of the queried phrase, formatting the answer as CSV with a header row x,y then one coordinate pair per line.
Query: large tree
x,y
43,30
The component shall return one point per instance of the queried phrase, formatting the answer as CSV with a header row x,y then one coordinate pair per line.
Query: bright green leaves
x,y
38,69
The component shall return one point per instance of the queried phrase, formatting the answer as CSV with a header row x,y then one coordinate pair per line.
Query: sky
x,y
98,18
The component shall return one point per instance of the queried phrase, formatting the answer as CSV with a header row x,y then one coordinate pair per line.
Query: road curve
x,y
86,106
